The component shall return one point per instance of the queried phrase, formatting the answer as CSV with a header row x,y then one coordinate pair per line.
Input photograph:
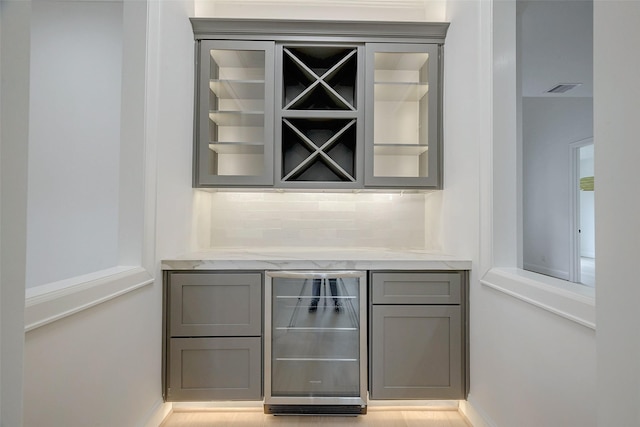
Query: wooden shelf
x,y
237,89
237,118
400,92
237,148
399,149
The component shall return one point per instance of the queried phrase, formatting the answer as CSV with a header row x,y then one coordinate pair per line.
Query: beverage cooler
x,y
315,347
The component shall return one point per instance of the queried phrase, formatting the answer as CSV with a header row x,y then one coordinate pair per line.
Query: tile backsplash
x,y
288,219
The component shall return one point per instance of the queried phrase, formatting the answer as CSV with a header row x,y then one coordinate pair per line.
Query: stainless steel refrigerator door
x,y
315,347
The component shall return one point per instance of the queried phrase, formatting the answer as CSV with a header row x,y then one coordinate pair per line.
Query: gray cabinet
x,y
403,130
418,335
213,336
215,369
318,105
234,114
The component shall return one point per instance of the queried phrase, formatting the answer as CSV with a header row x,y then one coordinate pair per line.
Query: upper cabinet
x,y
234,131
403,142
318,105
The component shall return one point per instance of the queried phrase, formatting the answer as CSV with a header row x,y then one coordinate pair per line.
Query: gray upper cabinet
x,y
234,117
317,104
403,131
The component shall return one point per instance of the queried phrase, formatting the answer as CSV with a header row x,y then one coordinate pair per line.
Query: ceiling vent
x,y
563,87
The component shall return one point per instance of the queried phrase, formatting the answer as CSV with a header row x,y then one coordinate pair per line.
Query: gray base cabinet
x,y
213,336
215,369
418,336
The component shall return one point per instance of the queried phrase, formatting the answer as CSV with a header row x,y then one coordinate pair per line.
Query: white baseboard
x,y
474,414
161,410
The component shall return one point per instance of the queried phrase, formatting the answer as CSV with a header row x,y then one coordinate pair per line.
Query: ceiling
x,y
556,47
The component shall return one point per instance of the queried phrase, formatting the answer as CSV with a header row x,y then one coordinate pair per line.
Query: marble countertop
x,y
315,259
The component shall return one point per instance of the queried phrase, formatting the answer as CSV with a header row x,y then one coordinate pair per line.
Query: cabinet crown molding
x,y
259,29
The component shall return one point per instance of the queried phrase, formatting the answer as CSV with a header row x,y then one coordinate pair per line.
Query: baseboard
x,y
474,413
160,411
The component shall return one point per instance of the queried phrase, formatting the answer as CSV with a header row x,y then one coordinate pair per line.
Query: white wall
x,y
98,367
529,367
549,126
74,139
617,108
376,10
101,365
170,106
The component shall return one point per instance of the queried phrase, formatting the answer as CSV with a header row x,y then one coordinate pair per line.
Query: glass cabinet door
x,y
403,106
235,130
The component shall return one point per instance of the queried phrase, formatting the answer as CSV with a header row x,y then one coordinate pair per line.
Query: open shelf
x,y
400,91
235,64
237,118
237,148
400,61
237,89
399,149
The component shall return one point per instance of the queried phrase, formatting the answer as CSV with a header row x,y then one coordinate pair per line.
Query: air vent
x,y
563,87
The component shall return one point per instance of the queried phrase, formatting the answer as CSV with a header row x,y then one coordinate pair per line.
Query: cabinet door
x,y
215,304
215,369
403,130
234,127
416,352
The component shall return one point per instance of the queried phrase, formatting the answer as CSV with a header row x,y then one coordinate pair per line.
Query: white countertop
x,y
313,259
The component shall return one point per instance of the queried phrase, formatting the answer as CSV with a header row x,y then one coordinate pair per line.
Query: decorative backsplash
x,y
345,220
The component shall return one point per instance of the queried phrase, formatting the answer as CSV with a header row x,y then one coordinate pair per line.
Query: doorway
x,y
583,227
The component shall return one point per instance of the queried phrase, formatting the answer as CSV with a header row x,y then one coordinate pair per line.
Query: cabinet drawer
x,y
215,304
215,369
416,288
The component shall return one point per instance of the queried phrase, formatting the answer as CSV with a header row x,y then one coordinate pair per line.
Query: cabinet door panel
x,y
416,352
403,131
234,121
416,288
215,368
216,304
